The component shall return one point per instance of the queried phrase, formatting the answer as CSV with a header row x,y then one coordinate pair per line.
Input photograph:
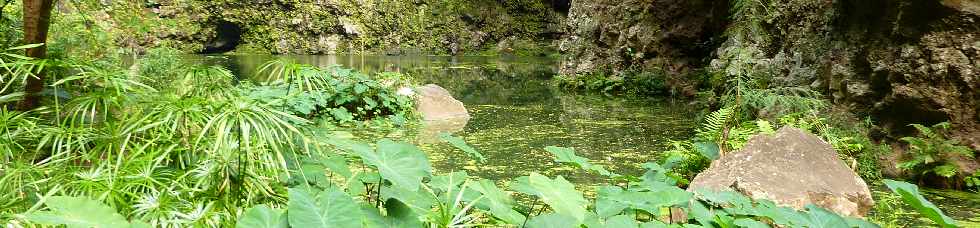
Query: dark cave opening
x,y
228,36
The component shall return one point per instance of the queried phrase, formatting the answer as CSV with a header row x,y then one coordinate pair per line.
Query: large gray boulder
x,y
436,104
791,168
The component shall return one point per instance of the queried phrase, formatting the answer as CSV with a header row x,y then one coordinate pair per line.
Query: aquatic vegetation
x,y
637,83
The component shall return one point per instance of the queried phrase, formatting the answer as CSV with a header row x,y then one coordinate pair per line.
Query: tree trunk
x,y
37,17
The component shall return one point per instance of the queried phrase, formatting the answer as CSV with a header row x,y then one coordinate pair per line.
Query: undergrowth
x,y
634,83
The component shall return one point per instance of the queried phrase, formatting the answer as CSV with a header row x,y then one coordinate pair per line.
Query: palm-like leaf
x,y
306,77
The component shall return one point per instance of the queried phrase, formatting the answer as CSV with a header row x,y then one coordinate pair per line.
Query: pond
x,y
516,113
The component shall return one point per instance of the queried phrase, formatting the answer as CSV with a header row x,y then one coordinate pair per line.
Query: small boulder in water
x,y
791,168
435,103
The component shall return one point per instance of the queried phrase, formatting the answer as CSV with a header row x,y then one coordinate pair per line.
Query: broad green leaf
x,y
401,163
553,220
567,155
141,224
78,212
560,195
593,221
419,201
655,178
701,213
313,173
336,164
860,223
621,221
497,201
709,150
651,202
523,184
330,208
820,217
654,224
459,143
399,216
910,194
749,223
262,216
607,204
448,181
783,216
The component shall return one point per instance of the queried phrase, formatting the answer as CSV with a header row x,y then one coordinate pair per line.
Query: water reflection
x,y
515,113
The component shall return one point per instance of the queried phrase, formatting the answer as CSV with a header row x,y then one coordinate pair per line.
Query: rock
x,y
613,36
792,168
435,103
969,6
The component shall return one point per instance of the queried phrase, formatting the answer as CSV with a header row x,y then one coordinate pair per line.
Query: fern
x,y
715,124
765,127
930,152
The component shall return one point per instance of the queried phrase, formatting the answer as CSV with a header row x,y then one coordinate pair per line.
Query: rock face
x,y
882,58
674,36
436,104
350,26
791,168
899,61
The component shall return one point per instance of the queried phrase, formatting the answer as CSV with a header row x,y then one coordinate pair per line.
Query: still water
x,y
516,113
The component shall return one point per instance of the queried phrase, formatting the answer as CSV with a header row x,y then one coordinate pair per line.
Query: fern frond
x,y
715,123
765,127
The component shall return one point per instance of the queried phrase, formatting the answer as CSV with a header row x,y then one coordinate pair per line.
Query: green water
x,y
516,113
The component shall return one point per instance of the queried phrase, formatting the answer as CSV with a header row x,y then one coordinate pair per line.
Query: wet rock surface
x,y
792,168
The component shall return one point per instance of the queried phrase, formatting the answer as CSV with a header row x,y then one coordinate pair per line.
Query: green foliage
x,y
567,155
79,212
261,216
329,208
450,201
402,164
169,144
910,194
973,181
931,152
460,144
335,93
638,83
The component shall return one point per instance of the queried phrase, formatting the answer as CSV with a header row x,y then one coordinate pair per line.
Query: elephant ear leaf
x,y
497,201
330,208
78,212
567,155
910,194
401,163
560,195
261,216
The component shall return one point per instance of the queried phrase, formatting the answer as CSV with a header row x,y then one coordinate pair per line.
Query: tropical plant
x,y
931,152
910,194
